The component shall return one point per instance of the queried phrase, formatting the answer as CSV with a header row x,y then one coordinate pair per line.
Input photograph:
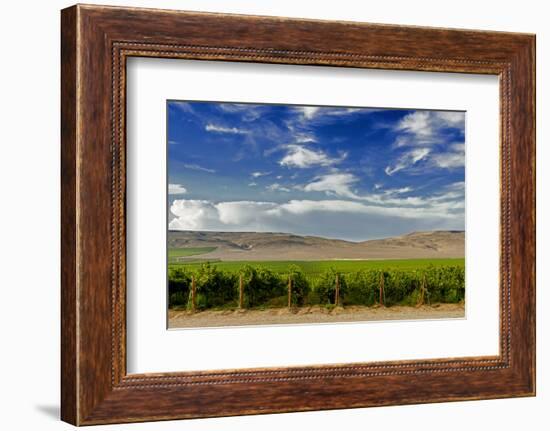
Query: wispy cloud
x,y
184,107
276,187
407,160
457,185
308,113
400,191
451,118
340,185
301,157
450,156
429,130
421,128
221,129
418,124
247,112
196,167
304,138
336,183
454,158
258,174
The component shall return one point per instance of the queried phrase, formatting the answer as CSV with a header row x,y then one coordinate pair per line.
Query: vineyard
x,y
231,285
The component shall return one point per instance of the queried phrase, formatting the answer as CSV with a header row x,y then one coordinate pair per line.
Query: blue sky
x,y
337,172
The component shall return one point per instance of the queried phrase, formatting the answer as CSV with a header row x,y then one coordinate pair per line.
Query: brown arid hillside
x,y
235,246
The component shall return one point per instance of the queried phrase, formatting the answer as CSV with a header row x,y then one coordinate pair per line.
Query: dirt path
x,y
316,314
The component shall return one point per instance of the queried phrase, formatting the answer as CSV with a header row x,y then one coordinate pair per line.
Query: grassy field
x,y
316,267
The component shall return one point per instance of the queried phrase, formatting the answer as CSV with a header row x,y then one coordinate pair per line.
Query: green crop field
x,y
265,283
320,266
360,282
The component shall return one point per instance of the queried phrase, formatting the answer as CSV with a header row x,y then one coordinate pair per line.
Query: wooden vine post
x,y
422,290
193,293
241,292
289,291
337,296
381,289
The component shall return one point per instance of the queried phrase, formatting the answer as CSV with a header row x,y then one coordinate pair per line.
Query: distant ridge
x,y
285,246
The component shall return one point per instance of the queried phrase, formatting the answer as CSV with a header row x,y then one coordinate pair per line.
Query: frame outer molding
x,y
69,331
95,41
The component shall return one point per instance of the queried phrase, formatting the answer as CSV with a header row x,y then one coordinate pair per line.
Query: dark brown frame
x,y
95,43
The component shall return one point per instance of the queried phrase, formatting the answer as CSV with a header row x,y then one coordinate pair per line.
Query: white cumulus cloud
x,y
330,218
176,189
193,214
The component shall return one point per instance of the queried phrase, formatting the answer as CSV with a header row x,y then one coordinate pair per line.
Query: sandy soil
x,y
316,314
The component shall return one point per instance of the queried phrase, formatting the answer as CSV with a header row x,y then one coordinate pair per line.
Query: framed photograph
x,y
282,214
265,215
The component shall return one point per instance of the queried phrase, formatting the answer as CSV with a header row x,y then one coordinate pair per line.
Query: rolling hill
x,y
237,246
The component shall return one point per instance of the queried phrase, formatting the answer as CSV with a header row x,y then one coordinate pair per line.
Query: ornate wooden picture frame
x,y
96,41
